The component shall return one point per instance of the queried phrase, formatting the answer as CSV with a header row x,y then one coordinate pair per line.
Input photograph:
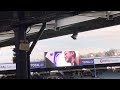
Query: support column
x,y
28,66
21,59
21,62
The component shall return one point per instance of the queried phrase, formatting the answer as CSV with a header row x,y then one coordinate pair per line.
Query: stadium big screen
x,y
65,58
61,58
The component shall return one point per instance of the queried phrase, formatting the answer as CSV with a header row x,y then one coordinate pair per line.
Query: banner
x,y
10,66
107,60
37,65
87,61
7,67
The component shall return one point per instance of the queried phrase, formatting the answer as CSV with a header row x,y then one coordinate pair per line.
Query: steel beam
x,y
32,47
37,38
36,20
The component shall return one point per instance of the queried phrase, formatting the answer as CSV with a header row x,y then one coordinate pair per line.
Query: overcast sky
x,y
104,39
89,41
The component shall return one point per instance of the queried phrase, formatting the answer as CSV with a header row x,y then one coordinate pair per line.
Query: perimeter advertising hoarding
x,y
40,64
107,60
87,61
10,66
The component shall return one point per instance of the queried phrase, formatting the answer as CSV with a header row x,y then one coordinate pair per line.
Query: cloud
x,y
90,50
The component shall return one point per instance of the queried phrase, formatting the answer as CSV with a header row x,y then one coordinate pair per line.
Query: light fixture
x,y
74,36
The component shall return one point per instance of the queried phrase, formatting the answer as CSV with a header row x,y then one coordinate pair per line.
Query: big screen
x,y
62,58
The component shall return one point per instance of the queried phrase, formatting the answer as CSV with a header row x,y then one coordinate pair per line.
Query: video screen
x,y
62,58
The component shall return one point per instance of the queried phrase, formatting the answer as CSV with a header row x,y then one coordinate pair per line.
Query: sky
x,y
100,39
97,40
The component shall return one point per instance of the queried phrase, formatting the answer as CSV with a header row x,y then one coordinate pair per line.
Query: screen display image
x,y
62,58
